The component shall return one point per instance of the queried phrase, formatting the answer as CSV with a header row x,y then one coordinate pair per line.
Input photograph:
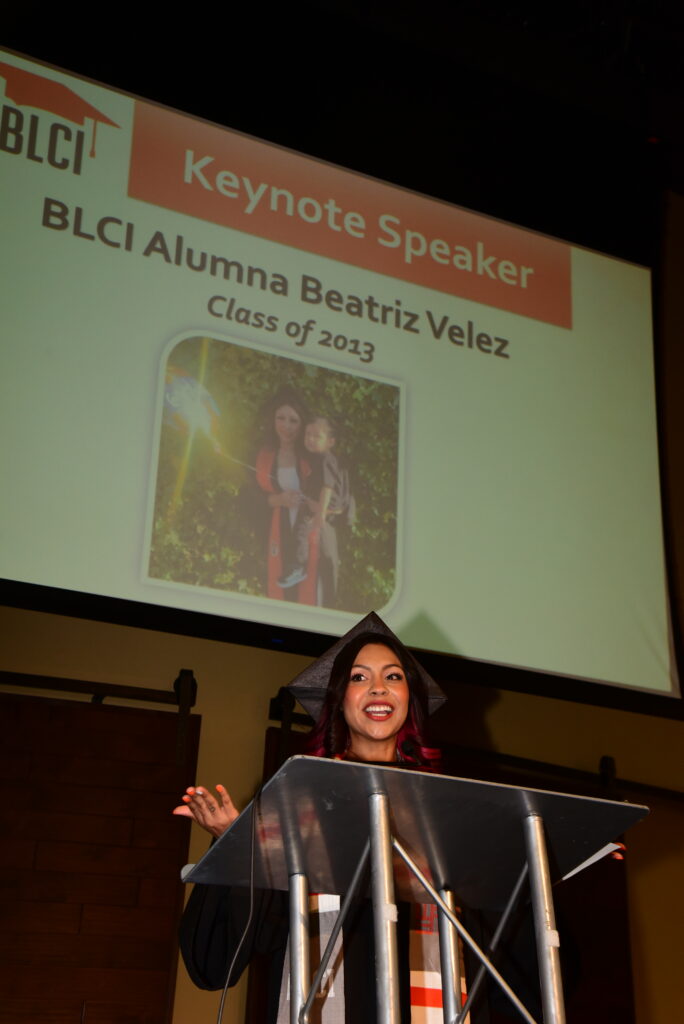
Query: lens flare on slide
x,y
189,408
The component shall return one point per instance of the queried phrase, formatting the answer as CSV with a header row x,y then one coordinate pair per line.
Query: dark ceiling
x,y
567,117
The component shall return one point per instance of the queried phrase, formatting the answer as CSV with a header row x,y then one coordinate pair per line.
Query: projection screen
x,y
228,366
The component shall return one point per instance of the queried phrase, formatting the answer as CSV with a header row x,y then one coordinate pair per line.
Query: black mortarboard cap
x,y
310,685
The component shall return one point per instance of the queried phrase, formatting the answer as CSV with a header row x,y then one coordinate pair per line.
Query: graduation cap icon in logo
x,y
309,687
27,89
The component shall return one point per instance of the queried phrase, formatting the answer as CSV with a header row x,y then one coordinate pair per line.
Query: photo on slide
x,y
275,478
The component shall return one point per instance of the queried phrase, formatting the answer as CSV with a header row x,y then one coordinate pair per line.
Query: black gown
x,y
215,918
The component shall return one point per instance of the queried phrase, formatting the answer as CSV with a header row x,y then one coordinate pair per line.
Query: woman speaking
x,y
370,700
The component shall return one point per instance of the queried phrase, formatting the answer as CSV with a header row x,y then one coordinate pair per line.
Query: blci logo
x,y
57,143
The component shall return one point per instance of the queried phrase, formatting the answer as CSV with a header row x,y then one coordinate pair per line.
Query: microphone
x,y
410,749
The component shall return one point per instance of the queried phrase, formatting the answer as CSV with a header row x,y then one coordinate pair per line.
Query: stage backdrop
x,y
483,395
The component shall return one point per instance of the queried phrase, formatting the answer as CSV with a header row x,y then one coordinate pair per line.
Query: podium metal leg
x,y
548,945
299,945
449,961
384,911
474,986
467,938
341,918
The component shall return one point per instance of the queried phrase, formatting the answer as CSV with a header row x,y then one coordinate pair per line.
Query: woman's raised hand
x,y
213,813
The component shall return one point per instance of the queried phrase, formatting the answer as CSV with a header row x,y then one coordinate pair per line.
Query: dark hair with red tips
x,y
330,735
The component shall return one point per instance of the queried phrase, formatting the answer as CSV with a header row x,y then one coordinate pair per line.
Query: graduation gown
x,y
215,918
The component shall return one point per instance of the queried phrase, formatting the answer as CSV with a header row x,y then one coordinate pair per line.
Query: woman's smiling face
x,y
376,702
288,423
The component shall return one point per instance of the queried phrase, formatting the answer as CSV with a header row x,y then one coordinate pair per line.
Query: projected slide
x,y
242,382
230,515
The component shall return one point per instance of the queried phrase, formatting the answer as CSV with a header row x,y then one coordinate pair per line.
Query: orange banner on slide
x,y
216,175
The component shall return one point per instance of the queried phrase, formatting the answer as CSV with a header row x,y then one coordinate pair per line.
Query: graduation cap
x,y
310,686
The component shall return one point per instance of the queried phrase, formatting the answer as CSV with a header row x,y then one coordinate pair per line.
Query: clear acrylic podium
x,y
429,838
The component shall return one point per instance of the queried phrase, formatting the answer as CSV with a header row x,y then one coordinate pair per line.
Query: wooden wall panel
x,y
144,922
73,770
72,827
100,859
82,950
34,1008
15,853
62,887
70,1011
91,860
57,918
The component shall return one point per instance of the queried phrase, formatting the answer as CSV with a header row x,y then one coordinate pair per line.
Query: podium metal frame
x,y
430,836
